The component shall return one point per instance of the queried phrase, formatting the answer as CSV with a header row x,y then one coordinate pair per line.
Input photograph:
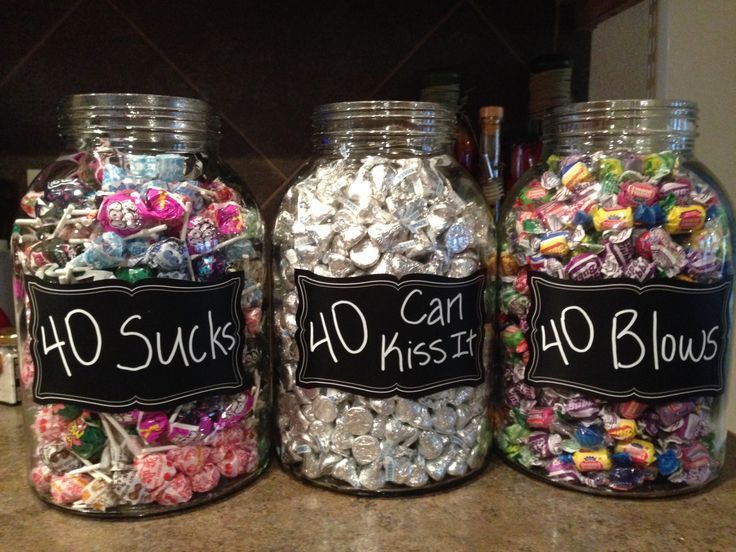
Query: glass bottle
x,y
491,179
616,269
383,251
549,86
140,274
444,88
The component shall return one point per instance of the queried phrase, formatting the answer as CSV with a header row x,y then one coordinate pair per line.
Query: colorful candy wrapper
x,y
68,488
206,479
122,213
176,491
154,470
592,460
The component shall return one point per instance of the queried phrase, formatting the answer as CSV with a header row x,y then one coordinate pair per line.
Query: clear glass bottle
x,y
549,87
140,276
615,299
383,254
491,178
444,88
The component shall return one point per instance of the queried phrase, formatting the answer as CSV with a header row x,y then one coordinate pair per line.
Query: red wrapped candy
x,y
253,321
41,478
223,192
233,461
206,479
643,245
176,491
67,488
227,436
49,426
154,470
521,283
190,459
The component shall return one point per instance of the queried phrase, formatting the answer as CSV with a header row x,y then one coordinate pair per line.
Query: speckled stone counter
x,y
500,510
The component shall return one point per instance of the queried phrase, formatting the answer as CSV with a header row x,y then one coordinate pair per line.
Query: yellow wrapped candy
x,y
592,460
641,452
613,219
684,219
624,430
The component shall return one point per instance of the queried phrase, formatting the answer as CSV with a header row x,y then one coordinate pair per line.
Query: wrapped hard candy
x,y
128,232
154,470
68,488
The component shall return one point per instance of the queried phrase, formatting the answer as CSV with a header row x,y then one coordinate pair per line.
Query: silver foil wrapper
x,y
377,216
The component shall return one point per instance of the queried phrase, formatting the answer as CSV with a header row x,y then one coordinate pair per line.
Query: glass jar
x,y
614,309
140,280
382,252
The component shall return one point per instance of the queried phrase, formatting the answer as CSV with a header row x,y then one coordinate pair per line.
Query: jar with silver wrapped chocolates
x,y
383,260
140,275
615,303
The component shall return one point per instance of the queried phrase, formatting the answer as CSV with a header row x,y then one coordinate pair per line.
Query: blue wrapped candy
x,y
142,166
170,167
114,179
590,437
106,251
169,255
668,462
137,247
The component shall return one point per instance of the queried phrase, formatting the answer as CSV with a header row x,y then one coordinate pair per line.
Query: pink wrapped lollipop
x,y
122,213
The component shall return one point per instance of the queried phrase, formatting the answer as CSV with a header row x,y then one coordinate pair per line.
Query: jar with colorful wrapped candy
x,y
383,248
140,275
615,303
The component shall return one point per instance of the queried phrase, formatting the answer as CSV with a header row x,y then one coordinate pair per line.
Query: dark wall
x,y
265,65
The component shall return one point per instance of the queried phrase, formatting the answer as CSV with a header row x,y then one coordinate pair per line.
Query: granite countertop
x,y
500,510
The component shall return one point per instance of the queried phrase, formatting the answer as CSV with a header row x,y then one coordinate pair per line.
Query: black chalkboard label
x,y
380,336
620,338
111,346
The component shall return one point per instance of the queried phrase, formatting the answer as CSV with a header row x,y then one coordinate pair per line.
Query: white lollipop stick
x,y
183,237
175,413
81,220
96,474
147,232
185,222
29,222
63,220
129,441
163,448
204,191
114,446
86,469
257,388
220,246
67,269
65,274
